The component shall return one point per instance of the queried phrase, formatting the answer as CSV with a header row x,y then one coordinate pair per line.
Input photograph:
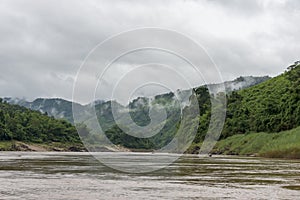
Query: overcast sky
x,y
43,43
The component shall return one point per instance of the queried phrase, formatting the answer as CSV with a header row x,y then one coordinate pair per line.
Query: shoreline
x,y
222,148
195,155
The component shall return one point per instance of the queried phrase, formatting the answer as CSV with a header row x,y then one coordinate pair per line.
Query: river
x,y
66,176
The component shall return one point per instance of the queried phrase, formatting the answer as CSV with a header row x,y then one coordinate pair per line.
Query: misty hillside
x,y
58,108
255,104
62,109
269,106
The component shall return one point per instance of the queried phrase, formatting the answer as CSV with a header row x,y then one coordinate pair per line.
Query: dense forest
x,y
22,124
262,111
62,109
271,106
139,112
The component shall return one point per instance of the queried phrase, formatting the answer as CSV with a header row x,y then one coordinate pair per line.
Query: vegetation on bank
x,y
12,145
285,144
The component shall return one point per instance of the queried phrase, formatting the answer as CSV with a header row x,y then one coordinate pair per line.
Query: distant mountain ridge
x,y
243,82
57,108
62,109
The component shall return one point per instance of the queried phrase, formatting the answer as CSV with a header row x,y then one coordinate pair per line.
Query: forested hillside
x,y
139,113
138,108
55,107
22,124
62,109
271,106
264,120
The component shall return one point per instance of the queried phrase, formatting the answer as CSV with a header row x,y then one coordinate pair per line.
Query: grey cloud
x,y
243,8
43,43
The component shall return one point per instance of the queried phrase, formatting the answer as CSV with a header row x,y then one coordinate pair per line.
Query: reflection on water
x,y
79,176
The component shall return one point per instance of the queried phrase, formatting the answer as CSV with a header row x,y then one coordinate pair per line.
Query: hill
x,y
55,107
62,109
139,112
271,106
261,111
18,123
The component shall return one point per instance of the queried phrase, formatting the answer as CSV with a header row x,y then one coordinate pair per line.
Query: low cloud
x,y
43,43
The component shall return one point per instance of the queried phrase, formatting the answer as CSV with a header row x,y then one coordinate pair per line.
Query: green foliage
x,y
118,137
271,106
204,103
182,130
140,115
278,145
22,124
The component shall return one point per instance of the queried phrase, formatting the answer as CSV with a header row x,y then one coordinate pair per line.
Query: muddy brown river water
x,y
68,176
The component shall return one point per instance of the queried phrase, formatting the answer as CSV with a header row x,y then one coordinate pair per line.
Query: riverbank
x,y
40,147
57,146
285,144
